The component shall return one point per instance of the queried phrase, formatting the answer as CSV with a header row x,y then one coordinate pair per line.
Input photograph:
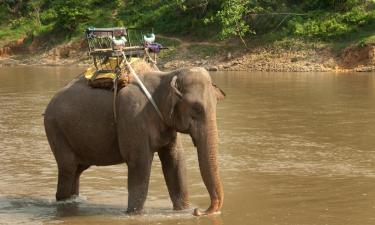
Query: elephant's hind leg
x,y
67,176
79,171
174,170
66,164
65,183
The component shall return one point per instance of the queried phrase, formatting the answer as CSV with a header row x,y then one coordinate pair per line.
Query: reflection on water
x,y
295,148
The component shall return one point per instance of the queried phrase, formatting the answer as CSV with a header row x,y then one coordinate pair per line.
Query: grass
x,y
172,46
168,42
8,34
362,36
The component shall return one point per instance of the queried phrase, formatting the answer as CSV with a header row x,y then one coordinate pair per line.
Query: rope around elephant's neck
x,y
144,89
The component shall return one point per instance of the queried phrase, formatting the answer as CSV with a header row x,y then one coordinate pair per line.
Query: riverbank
x,y
282,56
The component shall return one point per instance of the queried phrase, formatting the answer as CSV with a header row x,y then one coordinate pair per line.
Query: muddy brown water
x,y
295,148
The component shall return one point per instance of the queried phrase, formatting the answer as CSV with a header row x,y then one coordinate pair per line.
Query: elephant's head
x,y
193,112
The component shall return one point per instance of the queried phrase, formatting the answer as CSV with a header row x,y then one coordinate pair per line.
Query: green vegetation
x,y
331,21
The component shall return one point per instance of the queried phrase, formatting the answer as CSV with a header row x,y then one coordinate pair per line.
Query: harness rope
x,y
115,83
149,57
144,89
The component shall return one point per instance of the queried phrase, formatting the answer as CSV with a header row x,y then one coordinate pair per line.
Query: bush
x,y
326,25
71,13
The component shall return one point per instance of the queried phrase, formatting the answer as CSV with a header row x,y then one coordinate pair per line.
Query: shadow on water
x,y
33,210
45,208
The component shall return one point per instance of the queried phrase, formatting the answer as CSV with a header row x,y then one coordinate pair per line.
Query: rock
x,y
229,56
64,53
365,69
5,51
55,54
213,68
294,59
8,62
371,54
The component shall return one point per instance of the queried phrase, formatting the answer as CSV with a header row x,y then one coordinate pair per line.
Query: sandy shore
x,y
317,59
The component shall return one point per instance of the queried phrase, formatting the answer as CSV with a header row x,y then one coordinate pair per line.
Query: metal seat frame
x,y
101,46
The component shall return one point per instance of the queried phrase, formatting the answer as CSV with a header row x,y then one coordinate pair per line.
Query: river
x,y
294,149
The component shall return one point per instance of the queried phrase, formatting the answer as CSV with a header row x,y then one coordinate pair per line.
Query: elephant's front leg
x,y
139,171
174,170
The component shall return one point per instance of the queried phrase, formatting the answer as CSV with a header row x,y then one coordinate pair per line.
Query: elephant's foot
x,y
63,196
133,211
181,206
209,211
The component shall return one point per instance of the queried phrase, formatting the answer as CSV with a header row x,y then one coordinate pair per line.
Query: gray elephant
x,y
81,130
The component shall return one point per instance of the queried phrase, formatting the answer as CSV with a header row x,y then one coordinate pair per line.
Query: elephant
x,y
82,131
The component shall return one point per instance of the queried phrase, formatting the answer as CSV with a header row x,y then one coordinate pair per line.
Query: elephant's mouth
x,y
193,135
194,141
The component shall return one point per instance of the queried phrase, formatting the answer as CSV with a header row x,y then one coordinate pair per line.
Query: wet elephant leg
x,y
65,159
79,171
138,181
67,167
174,170
66,177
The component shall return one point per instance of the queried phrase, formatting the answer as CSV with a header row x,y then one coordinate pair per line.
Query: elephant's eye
x,y
197,110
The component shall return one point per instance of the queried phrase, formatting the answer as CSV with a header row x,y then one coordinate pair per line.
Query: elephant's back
x,y
84,115
78,98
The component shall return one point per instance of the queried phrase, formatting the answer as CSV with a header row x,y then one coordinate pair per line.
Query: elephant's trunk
x,y
208,165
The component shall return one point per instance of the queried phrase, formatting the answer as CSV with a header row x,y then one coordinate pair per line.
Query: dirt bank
x,y
213,56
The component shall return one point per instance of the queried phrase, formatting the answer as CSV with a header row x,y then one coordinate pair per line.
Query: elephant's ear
x,y
220,94
175,86
176,95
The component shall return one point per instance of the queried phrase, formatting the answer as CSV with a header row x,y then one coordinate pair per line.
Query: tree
x,y
36,6
15,7
71,13
232,19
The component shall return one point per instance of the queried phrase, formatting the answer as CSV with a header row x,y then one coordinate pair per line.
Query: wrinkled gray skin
x,y
81,130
